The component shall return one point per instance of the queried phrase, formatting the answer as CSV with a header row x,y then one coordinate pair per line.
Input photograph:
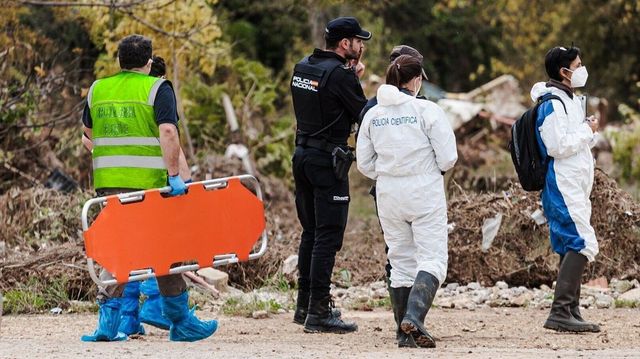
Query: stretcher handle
x,y
142,274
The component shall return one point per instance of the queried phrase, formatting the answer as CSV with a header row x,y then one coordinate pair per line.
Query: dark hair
x,y
558,58
158,67
332,43
403,69
134,51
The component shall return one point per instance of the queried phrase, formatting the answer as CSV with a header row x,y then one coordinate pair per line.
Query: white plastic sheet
x,y
490,228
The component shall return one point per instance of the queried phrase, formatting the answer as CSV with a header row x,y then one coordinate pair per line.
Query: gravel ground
x,y
481,333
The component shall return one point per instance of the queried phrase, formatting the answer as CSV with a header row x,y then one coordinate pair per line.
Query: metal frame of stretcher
x,y
140,196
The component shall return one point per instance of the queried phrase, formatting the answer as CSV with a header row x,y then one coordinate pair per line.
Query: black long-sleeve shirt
x,y
342,94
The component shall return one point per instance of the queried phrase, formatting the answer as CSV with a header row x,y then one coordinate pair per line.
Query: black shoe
x,y
301,315
320,319
566,298
420,300
399,298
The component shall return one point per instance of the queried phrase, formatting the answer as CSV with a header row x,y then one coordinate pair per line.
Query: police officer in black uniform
x,y
327,99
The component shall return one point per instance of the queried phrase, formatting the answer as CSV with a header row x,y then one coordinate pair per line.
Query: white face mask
x,y
579,77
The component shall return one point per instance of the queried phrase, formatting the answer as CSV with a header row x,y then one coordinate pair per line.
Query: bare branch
x,y
62,118
20,173
154,27
161,6
184,35
74,3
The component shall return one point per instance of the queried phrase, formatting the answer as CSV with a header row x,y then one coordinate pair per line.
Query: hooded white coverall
x,y
565,139
405,144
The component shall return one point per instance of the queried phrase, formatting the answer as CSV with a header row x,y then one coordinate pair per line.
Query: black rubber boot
x,y
392,295
302,308
575,311
567,287
399,299
575,306
321,320
420,300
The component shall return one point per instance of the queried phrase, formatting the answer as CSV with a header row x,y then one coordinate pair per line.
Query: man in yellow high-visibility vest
x,y
131,119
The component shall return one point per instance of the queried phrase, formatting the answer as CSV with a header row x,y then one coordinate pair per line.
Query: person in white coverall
x,y
406,144
565,137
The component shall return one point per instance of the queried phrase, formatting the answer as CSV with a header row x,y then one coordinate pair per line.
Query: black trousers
x,y
322,203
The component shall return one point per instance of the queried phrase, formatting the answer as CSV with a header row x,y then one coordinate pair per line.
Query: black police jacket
x,y
325,89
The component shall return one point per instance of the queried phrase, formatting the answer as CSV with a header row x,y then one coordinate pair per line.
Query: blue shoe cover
x,y
185,327
150,287
130,305
108,322
151,313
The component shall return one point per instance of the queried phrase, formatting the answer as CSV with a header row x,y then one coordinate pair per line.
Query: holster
x,y
342,160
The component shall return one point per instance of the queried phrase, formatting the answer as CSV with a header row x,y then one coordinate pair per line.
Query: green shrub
x,y
626,145
36,296
236,307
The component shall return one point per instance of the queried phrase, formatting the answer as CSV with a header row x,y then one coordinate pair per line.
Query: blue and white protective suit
x,y
405,144
566,138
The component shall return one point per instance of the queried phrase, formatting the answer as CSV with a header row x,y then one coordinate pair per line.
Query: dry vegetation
x,y
44,247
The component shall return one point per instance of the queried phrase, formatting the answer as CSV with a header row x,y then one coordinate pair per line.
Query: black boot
x,y
575,311
321,320
567,287
302,308
420,300
399,299
392,298
575,306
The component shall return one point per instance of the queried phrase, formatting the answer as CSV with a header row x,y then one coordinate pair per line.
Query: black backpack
x,y
523,145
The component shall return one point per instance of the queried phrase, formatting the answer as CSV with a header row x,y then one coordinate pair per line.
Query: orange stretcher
x,y
139,235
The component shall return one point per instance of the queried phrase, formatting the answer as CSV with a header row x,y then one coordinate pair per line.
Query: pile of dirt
x,y
520,253
41,237
61,265
41,229
39,216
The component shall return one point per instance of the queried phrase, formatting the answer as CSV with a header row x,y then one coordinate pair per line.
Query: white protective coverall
x,y
566,139
405,144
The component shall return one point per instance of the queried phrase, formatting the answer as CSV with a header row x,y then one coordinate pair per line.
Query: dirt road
x,y
485,333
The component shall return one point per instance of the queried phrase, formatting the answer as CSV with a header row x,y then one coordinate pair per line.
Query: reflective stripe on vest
x,y
128,162
126,141
127,152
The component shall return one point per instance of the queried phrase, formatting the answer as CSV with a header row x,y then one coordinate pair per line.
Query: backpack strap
x,y
550,96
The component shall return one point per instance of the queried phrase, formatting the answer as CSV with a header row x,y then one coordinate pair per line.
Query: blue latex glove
x,y
177,186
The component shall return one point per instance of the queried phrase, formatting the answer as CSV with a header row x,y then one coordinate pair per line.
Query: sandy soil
x,y
485,333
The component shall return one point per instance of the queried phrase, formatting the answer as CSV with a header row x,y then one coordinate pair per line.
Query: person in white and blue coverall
x,y
406,144
565,137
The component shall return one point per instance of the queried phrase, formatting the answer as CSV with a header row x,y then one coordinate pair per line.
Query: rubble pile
x,y
41,239
452,296
520,253
618,293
